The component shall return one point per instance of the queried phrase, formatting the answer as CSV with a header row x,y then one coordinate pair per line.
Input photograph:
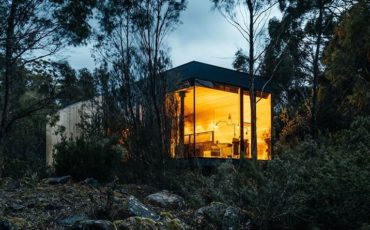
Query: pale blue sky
x,y
203,36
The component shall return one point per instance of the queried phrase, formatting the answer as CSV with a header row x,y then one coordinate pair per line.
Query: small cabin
x,y
213,113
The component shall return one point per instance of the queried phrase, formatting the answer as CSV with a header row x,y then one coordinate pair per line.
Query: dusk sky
x,y
204,35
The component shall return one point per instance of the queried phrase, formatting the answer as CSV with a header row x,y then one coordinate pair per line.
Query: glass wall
x,y
264,117
217,121
263,114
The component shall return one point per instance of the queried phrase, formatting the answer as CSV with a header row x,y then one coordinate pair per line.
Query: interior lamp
x,y
229,121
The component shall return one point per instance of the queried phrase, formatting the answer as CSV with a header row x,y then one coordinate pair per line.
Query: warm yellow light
x,y
217,128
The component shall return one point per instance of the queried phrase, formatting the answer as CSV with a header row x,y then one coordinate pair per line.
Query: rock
x,y
71,220
213,213
173,224
221,217
93,225
166,199
235,218
231,218
136,208
91,182
168,222
58,180
136,223
6,225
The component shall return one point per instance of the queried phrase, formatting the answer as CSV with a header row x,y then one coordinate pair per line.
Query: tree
x,y
347,73
249,17
131,48
309,27
316,21
155,19
116,50
86,84
31,31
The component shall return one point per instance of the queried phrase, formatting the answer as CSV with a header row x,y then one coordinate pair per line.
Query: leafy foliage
x,y
308,186
347,75
87,158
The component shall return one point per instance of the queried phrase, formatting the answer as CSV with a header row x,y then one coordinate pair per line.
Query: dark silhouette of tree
x,y
31,31
347,72
249,18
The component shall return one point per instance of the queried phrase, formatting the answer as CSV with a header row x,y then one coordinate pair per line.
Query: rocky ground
x,y
59,203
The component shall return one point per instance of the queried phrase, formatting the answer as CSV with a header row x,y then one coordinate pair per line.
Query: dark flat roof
x,y
202,71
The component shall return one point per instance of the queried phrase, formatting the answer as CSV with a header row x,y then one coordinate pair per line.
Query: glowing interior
x,y
217,123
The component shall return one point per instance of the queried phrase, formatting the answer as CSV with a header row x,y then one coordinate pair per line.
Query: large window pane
x,y
263,114
217,121
264,126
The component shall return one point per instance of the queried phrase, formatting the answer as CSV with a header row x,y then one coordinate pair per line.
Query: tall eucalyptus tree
x,y
250,18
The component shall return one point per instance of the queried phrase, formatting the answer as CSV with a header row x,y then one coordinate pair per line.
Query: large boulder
x,y
220,216
169,222
212,213
93,225
235,218
136,208
166,199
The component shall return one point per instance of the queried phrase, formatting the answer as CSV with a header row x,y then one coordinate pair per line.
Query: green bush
x,y
339,184
17,168
320,184
82,158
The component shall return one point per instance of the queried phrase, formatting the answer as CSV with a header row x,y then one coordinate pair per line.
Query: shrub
x,y
320,184
339,182
82,158
17,168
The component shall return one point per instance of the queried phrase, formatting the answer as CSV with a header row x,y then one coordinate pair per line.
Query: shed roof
x,y
202,71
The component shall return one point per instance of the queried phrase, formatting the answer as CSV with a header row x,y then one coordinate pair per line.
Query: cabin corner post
x,y
194,121
241,125
271,123
181,123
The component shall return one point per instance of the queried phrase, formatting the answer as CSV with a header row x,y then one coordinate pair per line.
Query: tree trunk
x,y
251,82
6,81
316,73
8,69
